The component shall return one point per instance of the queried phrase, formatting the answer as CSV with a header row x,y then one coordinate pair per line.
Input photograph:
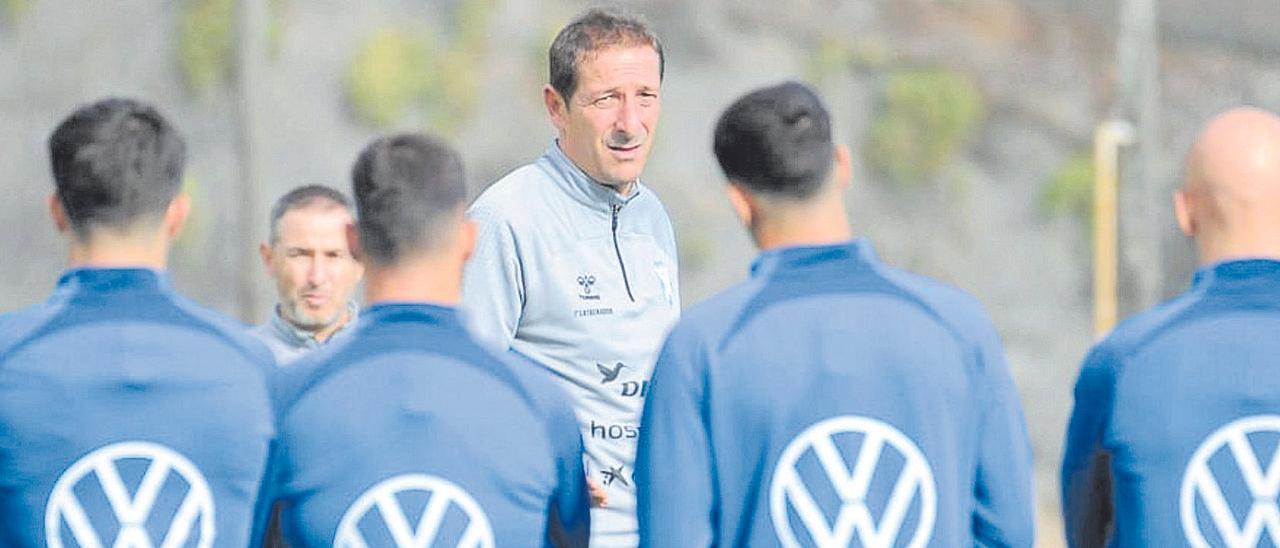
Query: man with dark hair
x,y
307,255
1172,441
446,444
575,266
128,415
830,400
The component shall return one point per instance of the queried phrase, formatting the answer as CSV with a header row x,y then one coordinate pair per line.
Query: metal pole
x,y
1107,140
251,18
1143,199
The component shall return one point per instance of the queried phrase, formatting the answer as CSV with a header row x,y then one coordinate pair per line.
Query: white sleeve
x,y
493,281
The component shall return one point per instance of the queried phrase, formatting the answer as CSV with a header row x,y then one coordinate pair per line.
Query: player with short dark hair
x,y
408,433
129,416
829,400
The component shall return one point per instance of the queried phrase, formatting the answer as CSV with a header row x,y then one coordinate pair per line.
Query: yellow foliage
x,y
397,71
927,115
206,42
392,70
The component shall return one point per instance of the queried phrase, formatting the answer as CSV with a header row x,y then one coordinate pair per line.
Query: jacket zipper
x,y
618,250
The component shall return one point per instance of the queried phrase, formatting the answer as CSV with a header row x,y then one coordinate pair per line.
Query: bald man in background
x,y
1173,440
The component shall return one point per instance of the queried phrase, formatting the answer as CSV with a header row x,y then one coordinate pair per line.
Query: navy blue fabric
x,y
1159,387
115,359
410,394
820,336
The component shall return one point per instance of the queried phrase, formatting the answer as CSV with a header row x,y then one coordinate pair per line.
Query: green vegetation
x,y
392,70
927,116
833,56
397,71
470,23
207,40
1070,189
13,9
829,58
275,25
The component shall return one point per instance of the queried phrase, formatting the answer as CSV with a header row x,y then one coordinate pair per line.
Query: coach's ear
x,y
353,242
57,213
743,203
557,107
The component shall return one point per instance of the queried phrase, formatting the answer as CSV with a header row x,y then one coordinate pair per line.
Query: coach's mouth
x,y
625,152
314,300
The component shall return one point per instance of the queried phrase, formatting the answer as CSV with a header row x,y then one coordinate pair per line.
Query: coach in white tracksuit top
x,y
583,281
575,262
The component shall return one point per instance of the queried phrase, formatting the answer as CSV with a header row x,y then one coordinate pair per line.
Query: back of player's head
x,y
410,192
776,141
116,163
304,197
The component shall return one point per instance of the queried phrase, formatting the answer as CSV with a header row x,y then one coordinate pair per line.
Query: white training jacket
x,y
583,281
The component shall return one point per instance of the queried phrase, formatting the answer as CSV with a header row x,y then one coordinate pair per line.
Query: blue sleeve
x,y
569,521
266,531
1004,491
677,501
262,510
1086,472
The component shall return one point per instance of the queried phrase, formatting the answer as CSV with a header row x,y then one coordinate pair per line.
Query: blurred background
x,y
972,123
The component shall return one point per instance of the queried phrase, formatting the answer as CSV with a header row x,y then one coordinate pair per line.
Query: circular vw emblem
x,y
1262,480
132,512
443,496
850,477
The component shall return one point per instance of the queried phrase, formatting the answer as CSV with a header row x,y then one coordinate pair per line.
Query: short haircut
x,y
594,30
776,141
115,162
305,196
408,188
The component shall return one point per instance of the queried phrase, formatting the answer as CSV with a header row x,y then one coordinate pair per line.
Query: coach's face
x,y
314,270
607,126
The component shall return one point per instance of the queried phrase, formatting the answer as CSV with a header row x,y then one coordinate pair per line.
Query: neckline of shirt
x,y
582,187
857,249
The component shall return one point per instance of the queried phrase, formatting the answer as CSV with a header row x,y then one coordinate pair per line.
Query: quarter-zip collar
x,y
113,280
580,186
398,312
303,338
1238,272
857,251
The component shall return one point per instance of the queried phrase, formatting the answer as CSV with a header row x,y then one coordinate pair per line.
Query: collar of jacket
x,y
580,186
302,337
857,250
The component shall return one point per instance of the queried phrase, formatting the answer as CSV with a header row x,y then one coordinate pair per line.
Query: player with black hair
x,y
129,416
830,398
408,432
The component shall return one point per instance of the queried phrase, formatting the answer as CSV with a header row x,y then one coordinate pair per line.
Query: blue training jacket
x,y
1185,401
830,401
128,414
408,433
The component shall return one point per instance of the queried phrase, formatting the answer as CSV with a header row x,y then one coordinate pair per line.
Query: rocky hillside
x,y
971,120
